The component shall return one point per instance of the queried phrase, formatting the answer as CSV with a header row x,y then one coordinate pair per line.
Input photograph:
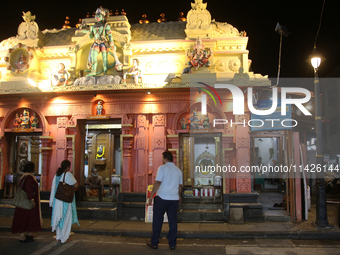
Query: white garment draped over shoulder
x,y
58,204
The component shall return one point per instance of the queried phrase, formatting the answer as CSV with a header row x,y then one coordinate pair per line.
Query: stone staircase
x,y
200,212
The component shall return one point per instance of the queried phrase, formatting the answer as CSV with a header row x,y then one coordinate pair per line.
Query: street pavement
x,y
204,230
45,244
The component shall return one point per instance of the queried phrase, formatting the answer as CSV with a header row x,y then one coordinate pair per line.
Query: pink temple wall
x,y
153,128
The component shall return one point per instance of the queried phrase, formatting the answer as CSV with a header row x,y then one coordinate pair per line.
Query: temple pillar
x,y
61,139
243,180
140,174
46,150
70,135
127,142
227,160
158,141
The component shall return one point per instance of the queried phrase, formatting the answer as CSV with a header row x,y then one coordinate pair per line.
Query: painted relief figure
x,y
17,121
199,56
134,71
25,119
103,41
34,120
60,77
183,123
22,61
206,122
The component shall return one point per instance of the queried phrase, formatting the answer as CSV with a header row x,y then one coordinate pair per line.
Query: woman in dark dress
x,y
27,221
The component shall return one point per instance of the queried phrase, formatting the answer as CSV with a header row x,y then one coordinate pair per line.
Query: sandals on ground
x,y
28,239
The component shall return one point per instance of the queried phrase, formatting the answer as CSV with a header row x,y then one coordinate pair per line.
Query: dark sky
x,y
257,18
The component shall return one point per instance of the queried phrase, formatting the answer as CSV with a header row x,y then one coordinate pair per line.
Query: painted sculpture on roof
x,y
199,17
28,29
198,57
60,77
134,71
19,58
103,41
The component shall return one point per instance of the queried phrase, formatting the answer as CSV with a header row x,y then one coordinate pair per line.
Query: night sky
x,y
257,18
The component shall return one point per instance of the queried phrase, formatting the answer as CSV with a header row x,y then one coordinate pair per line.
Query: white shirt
x,y
171,177
69,178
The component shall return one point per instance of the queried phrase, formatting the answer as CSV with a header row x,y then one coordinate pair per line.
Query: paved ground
x,y
205,230
103,244
274,230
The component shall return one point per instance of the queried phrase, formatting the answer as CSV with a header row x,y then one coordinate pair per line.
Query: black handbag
x,y
65,192
21,200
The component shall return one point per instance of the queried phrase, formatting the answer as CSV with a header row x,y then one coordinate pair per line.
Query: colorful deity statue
x,y
134,72
103,41
99,108
25,119
60,77
206,122
34,120
17,121
183,123
195,121
199,56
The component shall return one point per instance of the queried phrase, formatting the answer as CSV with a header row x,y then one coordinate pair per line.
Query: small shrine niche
x,y
98,110
18,58
25,120
196,120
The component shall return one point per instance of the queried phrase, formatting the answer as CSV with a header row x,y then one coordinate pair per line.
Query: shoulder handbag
x,y
64,191
21,200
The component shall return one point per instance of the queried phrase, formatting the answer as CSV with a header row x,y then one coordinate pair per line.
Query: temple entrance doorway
x,y
200,156
23,148
269,151
102,153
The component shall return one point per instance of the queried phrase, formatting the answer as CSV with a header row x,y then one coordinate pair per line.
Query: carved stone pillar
x,y
227,154
243,180
158,141
141,157
60,139
46,150
127,143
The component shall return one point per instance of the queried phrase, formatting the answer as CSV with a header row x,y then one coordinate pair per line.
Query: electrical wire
x,y
279,64
317,33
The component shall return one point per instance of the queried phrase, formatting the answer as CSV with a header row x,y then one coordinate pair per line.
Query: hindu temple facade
x,y
46,122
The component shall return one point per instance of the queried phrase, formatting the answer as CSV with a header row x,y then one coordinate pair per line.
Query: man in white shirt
x,y
168,185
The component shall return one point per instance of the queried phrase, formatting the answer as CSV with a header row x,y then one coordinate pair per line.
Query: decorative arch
x,y
213,108
30,107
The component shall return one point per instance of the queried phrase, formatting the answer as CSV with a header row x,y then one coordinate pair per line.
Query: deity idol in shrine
x,y
25,119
